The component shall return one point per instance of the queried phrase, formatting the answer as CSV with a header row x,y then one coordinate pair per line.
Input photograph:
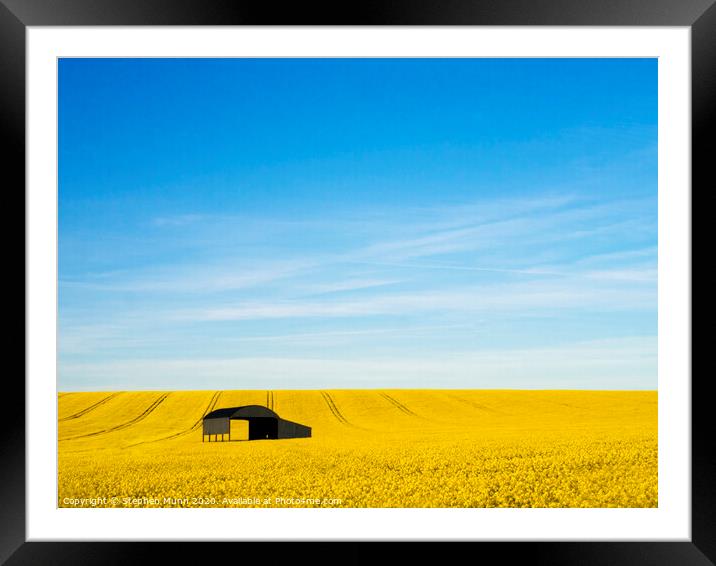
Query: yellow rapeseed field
x,y
370,448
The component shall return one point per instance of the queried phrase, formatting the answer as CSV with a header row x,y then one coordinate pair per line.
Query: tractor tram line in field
x,y
398,405
158,401
210,407
334,409
270,400
86,410
472,404
336,412
410,413
212,403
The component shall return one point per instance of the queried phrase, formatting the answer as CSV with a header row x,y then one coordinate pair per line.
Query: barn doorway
x,y
261,428
239,429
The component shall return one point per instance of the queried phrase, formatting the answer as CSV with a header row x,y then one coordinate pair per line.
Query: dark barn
x,y
263,424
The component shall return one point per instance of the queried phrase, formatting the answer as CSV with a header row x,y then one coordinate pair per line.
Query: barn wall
x,y
289,429
217,426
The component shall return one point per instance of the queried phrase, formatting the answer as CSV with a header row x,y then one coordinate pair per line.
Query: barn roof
x,y
244,412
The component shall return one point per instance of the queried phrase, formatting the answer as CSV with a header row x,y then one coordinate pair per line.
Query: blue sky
x,y
351,223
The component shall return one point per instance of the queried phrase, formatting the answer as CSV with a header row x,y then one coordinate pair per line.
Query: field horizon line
x,y
363,389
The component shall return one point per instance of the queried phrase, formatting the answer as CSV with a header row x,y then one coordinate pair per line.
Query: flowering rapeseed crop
x,y
370,448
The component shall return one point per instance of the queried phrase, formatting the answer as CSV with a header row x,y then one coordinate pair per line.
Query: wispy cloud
x,y
427,276
636,274
520,224
572,294
450,267
503,229
348,285
625,363
194,278
322,336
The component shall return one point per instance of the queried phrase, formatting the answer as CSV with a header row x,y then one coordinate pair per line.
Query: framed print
x,y
308,278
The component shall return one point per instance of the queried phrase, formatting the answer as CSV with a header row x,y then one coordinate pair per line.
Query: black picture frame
x,y
16,15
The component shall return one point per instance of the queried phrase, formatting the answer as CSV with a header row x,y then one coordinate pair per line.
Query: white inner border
x,y
670,521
